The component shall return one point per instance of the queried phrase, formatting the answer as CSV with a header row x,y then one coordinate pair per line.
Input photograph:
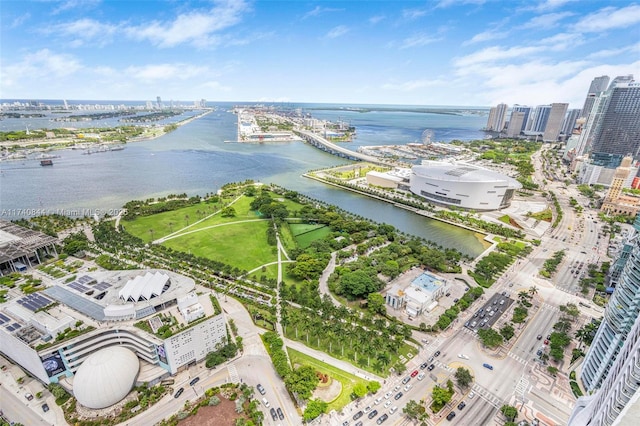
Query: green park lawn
x,y
305,239
241,245
347,380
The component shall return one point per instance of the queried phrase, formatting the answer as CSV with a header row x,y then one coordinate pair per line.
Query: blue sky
x,y
445,52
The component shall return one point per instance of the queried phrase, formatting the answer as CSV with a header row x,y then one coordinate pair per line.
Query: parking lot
x,y
490,312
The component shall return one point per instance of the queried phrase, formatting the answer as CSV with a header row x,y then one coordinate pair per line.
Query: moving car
x,y
489,366
461,405
194,381
437,353
261,389
451,415
265,402
539,337
280,414
274,416
178,393
463,356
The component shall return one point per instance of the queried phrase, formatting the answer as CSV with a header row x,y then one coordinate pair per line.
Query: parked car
x,y
383,418
373,414
265,402
406,380
194,381
461,405
451,415
377,401
28,396
414,373
471,395
437,353
274,416
407,387
431,367
393,409
398,396
45,407
261,389
424,365
421,376
280,414
367,409
387,404
357,415
388,394
178,393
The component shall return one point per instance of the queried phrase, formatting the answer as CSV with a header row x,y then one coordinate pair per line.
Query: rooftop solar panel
x,y
85,279
3,318
9,328
16,326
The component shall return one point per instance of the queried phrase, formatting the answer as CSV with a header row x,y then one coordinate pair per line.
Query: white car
x,y
463,356
397,388
377,401
367,409
420,376
471,395
388,394
387,404
407,387
393,409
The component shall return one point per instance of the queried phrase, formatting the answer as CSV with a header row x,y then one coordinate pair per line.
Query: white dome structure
x,y
106,377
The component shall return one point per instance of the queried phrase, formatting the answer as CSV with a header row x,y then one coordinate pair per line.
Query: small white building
x,y
418,296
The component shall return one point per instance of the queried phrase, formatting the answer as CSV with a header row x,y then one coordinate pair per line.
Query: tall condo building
x,y
570,121
554,122
516,121
598,85
603,357
539,118
527,112
617,400
497,118
159,102
617,128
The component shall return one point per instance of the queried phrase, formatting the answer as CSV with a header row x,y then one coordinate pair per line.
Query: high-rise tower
x,y
598,85
619,316
616,129
554,122
497,118
539,118
570,121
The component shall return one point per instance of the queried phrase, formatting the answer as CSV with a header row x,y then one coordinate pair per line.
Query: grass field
x,y
241,245
304,240
347,380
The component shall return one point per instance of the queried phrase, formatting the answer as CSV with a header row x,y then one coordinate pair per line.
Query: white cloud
x,y
607,53
493,34
547,5
495,53
196,28
43,64
547,21
338,31
155,72
20,20
375,19
419,40
318,10
83,31
75,4
411,85
609,18
215,85
413,13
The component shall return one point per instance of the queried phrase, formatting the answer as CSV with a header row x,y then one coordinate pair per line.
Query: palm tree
x,y
533,290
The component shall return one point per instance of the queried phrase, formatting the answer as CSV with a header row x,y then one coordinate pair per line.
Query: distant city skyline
x,y
447,52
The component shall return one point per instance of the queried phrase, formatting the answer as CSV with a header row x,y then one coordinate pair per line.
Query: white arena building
x,y
462,185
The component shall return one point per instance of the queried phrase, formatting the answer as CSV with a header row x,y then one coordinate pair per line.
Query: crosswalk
x,y
444,366
487,396
234,377
549,307
517,358
521,387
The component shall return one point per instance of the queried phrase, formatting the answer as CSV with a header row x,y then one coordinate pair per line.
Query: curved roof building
x,y
462,185
106,377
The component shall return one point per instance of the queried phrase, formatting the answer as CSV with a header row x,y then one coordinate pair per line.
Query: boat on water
x,y
46,162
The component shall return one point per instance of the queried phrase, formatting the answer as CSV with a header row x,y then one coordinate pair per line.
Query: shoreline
x,y
69,142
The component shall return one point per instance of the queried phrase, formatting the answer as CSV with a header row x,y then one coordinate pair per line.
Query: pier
x,y
332,148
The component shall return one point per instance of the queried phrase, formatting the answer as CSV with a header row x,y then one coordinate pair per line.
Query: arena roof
x,y
106,377
144,287
460,172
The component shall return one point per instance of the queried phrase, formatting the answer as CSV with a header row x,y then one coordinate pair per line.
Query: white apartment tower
x,y
554,122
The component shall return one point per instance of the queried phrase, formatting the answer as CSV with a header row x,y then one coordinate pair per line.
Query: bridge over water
x,y
332,148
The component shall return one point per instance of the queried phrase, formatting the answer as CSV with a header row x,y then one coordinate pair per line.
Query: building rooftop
x,y
461,172
427,282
